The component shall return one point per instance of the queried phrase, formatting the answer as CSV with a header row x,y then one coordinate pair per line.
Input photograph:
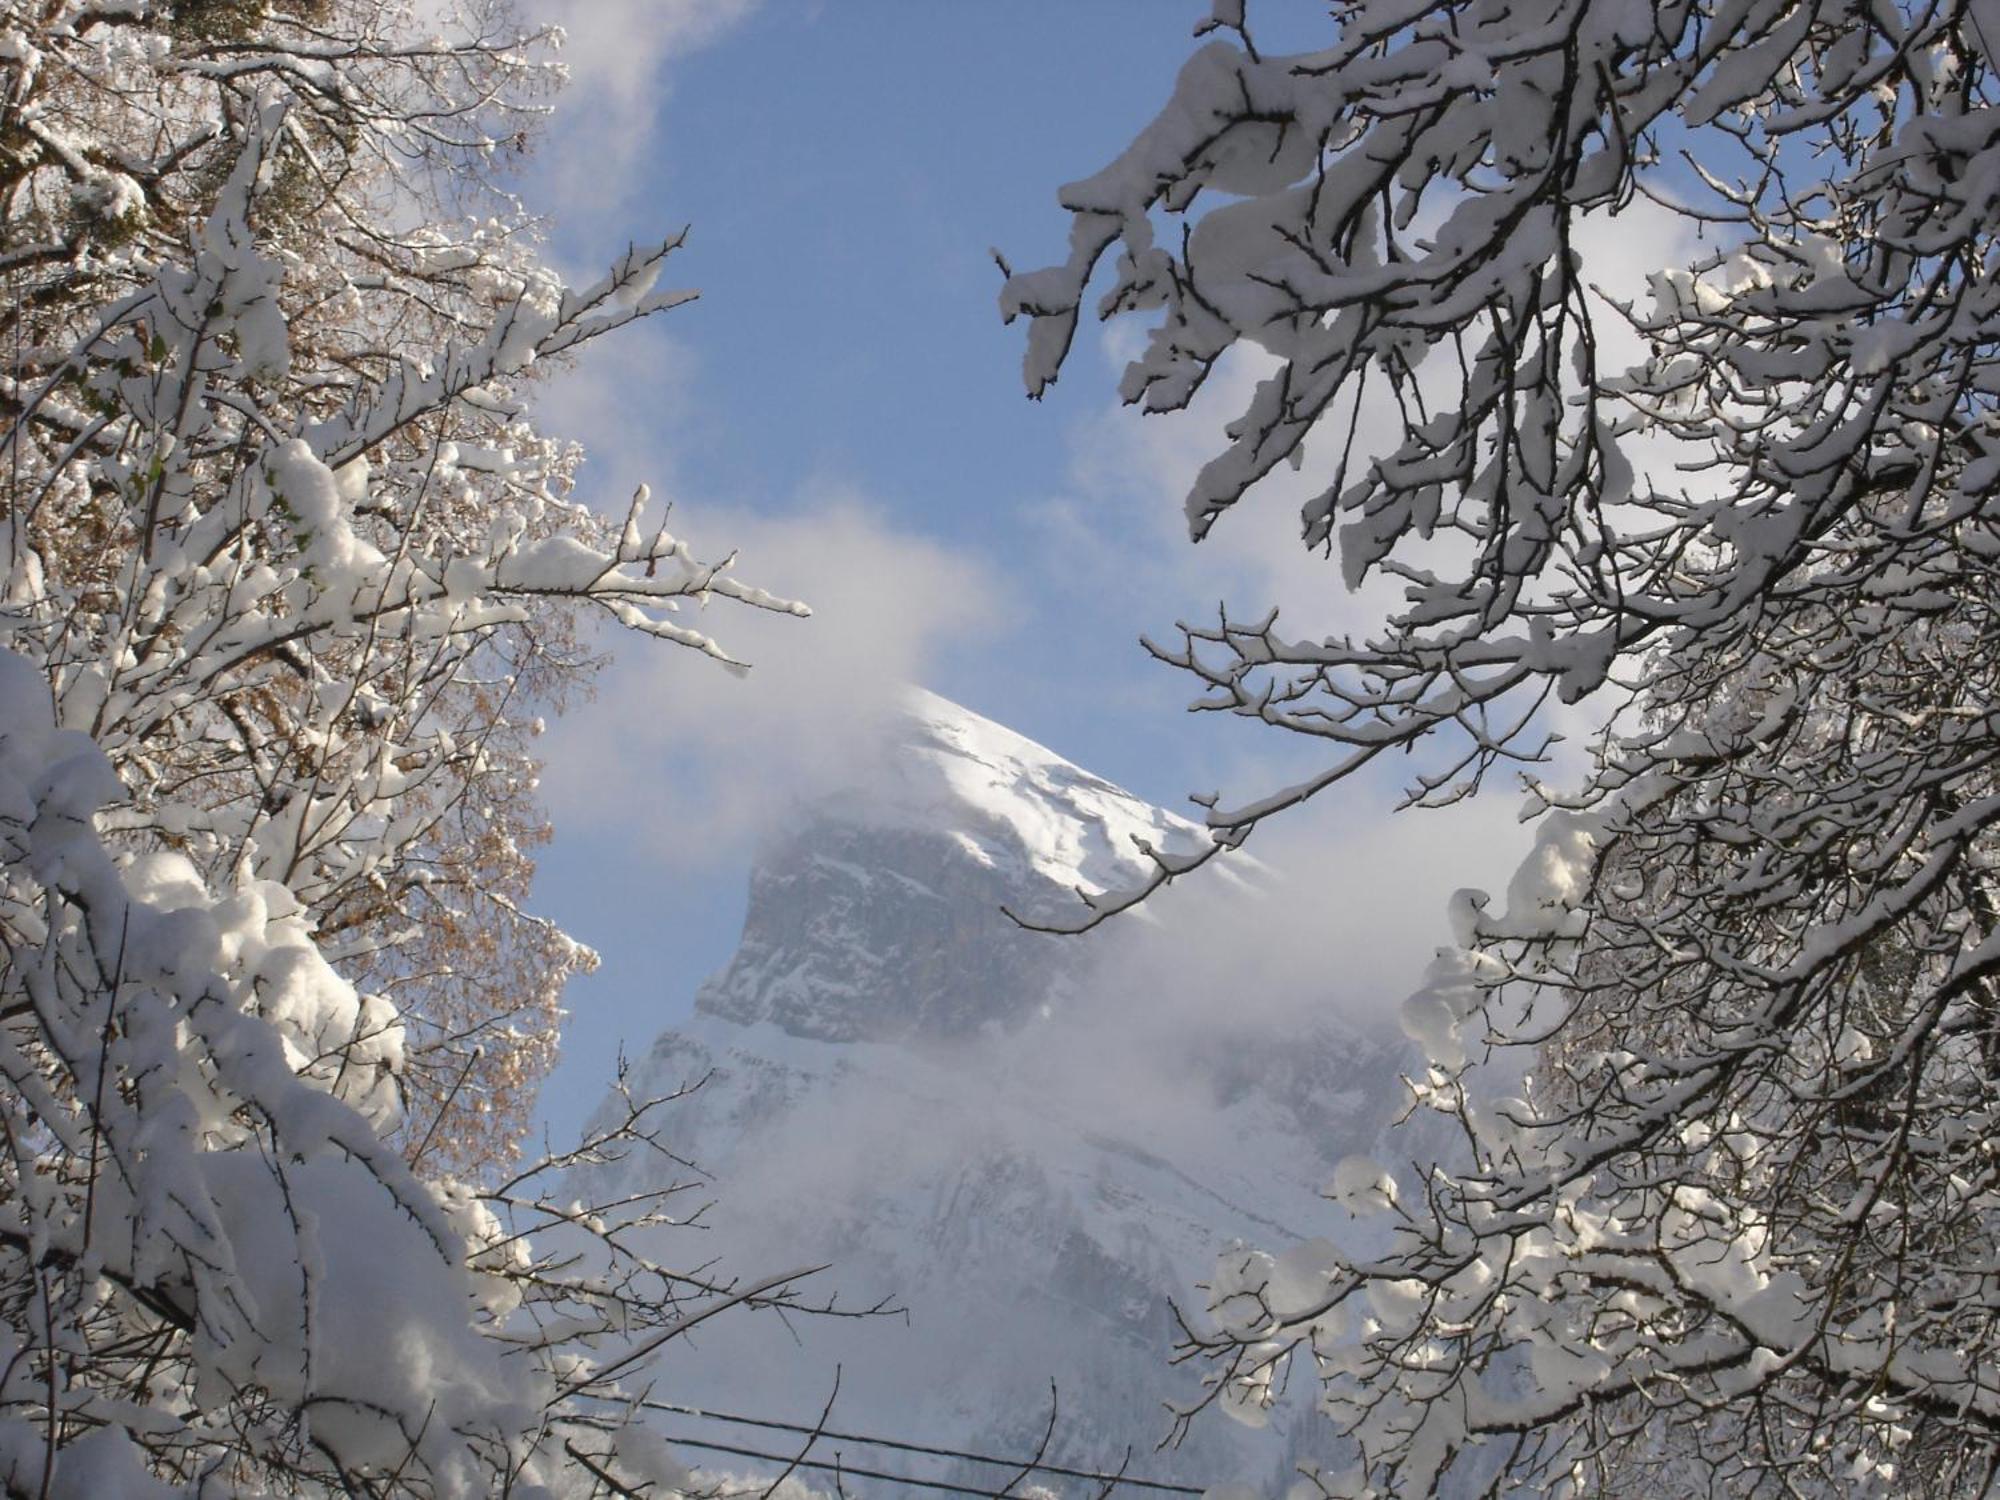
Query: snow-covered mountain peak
x,y
876,909
947,768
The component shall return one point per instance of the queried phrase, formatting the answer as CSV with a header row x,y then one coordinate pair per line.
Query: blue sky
x,y
844,406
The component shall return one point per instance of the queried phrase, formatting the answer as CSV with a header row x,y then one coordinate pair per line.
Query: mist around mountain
x,y
1037,1146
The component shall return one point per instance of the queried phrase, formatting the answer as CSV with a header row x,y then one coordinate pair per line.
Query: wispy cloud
x,y
680,758
620,54
617,49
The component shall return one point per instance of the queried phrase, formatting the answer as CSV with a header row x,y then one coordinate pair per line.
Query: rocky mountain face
x,y
1032,1144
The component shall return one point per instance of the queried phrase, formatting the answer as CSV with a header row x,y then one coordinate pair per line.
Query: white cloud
x,y
635,403
619,54
684,762
676,757
617,48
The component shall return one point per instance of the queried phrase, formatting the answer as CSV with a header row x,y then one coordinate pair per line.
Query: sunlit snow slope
x,y
1031,1142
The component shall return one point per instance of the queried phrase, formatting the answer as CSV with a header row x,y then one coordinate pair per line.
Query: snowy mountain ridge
x,y
1033,1143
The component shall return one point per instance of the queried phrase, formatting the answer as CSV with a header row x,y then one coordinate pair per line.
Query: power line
x,y
877,1442
815,1463
930,1484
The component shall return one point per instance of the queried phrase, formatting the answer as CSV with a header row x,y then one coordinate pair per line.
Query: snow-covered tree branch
x,y
276,517
1738,1229
288,576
